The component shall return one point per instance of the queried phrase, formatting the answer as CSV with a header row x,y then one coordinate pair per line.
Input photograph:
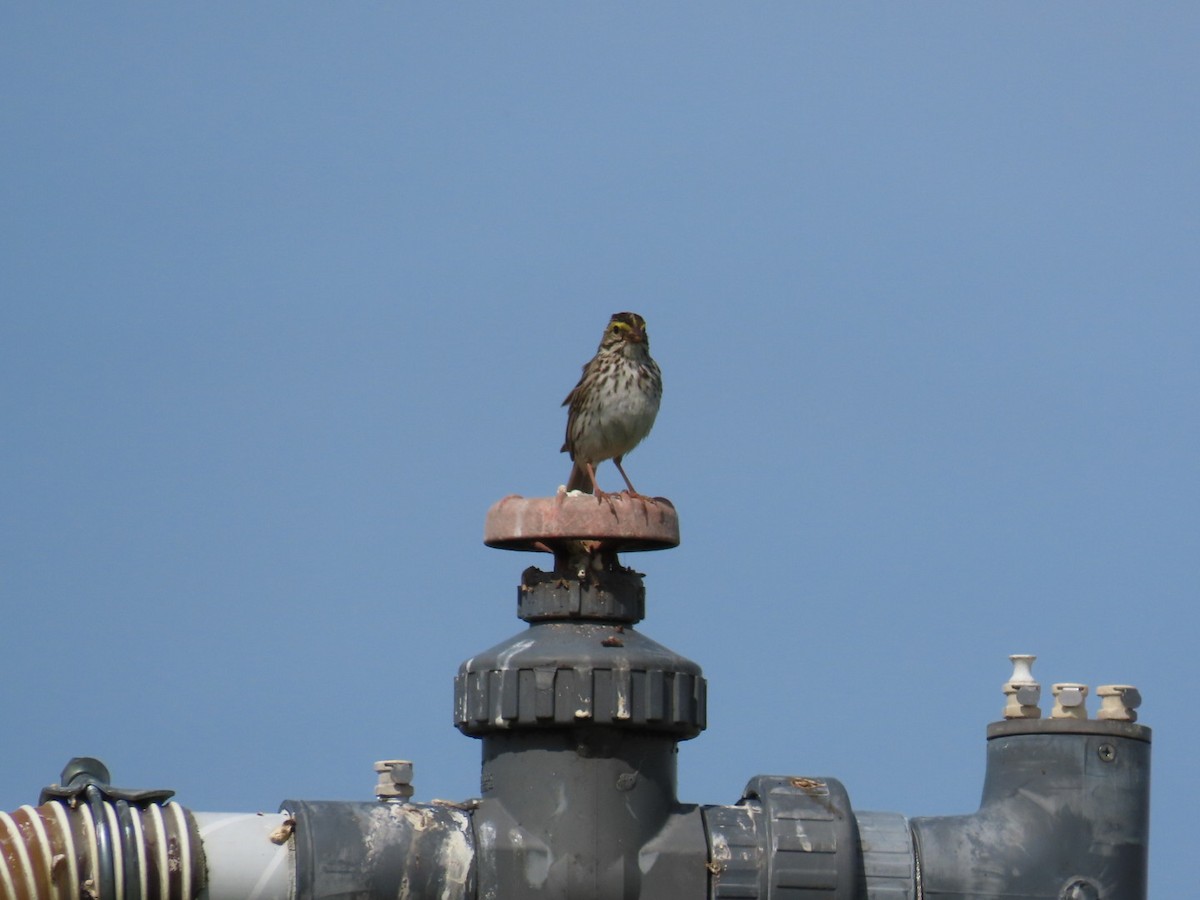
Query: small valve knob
x,y
1022,692
1069,701
1118,702
395,779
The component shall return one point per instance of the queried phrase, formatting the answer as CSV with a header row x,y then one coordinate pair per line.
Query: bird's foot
x,y
606,496
634,495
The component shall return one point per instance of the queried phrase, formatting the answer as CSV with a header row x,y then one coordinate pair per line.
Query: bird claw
x,y
606,497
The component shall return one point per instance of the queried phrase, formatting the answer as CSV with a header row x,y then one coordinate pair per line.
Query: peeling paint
x,y
537,866
419,817
646,860
504,659
622,685
720,848
455,858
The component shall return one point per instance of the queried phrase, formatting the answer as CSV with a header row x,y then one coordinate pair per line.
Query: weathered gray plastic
x,y
580,663
372,851
580,717
789,836
587,813
1065,814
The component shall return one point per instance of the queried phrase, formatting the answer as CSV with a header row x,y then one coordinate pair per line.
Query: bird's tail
x,y
579,480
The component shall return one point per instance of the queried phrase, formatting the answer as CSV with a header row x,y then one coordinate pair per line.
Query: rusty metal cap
x,y
617,521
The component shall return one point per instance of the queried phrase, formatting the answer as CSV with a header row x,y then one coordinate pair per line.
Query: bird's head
x,y
625,328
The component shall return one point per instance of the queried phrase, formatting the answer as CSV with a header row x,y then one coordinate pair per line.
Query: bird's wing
x,y
570,402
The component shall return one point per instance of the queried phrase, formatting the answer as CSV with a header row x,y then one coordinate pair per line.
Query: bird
x,y
614,405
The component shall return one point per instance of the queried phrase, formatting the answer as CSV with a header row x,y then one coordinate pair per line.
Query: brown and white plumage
x,y
614,405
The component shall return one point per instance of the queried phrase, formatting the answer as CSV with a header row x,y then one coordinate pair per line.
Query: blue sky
x,y
293,292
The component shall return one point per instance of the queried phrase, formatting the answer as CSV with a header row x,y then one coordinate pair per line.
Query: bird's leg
x,y
600,495
583,477
632,492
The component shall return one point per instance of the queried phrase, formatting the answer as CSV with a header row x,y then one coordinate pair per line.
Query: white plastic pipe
x,y
249,855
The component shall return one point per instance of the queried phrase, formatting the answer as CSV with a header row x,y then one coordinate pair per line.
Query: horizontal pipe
x,y
101,850
249,855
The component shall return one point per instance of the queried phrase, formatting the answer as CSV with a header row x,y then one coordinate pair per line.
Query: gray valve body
x,y
580,717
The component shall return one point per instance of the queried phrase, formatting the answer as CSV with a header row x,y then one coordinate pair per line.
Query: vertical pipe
x,y
1065,812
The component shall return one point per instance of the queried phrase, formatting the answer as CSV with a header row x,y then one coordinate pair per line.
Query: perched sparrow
x,y
614,405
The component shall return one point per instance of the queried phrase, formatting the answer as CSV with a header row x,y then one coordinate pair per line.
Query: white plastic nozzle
x,y
1118,702
1022,693
1069,700
1022,668
395,779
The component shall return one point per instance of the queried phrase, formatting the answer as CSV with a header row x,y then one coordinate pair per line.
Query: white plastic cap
x,y
1069,700
1022,692
1118,702
395,779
